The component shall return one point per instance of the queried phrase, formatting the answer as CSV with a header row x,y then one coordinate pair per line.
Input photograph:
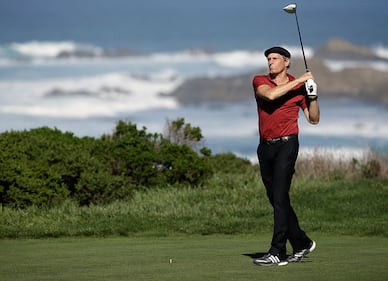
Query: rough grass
x,y
338,164
227,205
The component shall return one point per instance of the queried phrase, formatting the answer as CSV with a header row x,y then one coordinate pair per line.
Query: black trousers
x,y
277,166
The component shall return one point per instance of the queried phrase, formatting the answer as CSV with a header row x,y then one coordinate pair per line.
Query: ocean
x,y
81,66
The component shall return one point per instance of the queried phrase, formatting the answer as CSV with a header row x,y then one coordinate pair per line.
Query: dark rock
x,y
339,49
56,92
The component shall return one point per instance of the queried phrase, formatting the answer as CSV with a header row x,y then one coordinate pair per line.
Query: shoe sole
x,y
282,263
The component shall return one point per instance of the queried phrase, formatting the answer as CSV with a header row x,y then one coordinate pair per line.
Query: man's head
x,y
278,59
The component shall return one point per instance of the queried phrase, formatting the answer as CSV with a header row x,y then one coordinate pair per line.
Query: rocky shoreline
x,y
363,83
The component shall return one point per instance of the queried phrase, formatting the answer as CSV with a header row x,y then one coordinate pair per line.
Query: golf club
x,y
291,9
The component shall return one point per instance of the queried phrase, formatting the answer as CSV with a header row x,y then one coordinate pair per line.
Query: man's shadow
x,y
255,255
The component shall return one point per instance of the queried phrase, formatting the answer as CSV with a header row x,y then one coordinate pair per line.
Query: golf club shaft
x,y
301,43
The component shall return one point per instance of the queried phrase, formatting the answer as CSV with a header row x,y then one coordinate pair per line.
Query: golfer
x,y
279,97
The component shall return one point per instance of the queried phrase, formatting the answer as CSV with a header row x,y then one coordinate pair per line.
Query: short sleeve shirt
x,y
279,117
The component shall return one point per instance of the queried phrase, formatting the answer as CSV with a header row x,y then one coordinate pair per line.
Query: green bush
x,y
44,166
229,163
181,164
29,165
150,160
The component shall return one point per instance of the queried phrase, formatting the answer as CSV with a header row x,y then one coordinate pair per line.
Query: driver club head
x,y
290,8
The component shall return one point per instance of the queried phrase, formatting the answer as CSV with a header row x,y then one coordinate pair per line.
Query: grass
x,y
229,205
194,257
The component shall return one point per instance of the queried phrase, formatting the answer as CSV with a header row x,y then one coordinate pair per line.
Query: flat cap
x,y
277,50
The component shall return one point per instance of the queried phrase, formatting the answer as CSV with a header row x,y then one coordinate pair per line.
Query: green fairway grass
x,y
193,257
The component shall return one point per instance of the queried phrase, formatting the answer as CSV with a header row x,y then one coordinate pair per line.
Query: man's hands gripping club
x,y
311,88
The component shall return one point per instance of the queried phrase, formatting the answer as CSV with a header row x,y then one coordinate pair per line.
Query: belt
x,y
279,139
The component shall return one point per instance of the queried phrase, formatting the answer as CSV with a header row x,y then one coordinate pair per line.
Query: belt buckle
x,y
273,141
283,139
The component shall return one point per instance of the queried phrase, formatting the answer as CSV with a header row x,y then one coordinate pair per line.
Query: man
x,y
279,96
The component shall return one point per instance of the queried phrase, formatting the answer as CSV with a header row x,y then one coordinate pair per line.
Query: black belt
x,y
279,139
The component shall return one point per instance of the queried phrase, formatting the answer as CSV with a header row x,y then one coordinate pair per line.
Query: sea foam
x,y
53,49
103,95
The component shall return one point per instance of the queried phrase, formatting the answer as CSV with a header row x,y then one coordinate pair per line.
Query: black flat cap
x,y
277,50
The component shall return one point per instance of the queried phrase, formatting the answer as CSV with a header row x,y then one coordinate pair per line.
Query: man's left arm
x,y
312,112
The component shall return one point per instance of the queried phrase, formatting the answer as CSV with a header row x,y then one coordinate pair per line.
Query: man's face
x,y
277,63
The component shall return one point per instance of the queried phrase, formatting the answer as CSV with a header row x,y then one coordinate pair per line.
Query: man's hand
x,y
311,88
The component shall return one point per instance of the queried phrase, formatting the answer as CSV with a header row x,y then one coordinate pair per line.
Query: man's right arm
x,y
268,93
272,93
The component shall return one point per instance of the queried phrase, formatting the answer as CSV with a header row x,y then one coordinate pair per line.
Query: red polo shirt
x,y
279,117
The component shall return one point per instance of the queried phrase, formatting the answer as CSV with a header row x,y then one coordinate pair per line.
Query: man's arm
x,y
312,112
268,93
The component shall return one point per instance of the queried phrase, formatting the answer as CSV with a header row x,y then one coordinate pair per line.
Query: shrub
x,y
371,169
230,163
29,165
45,166
180,164
151,160
133,154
